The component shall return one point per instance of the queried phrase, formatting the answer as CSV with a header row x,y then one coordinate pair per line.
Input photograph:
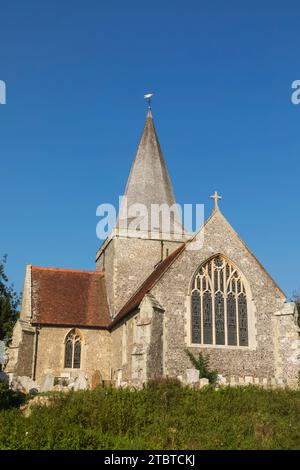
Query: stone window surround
x,y
83,350
252,344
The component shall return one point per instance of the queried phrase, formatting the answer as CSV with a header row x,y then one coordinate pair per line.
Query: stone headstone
x,y
280,382
256,380
48,383
24,384
119,377
232,381
96,379
203,382
241,381
221,380
248,379
265,381
192,376
80,383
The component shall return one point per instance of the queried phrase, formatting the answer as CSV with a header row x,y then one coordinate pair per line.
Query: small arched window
x,y
219,305
73,350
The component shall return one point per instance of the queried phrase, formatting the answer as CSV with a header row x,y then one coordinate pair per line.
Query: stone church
x,y
151,298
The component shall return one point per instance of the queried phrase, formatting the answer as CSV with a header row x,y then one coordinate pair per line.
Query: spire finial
x,y
148,97
216,197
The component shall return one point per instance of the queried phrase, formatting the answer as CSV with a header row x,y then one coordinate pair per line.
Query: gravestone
x,y
192,376
80,383
119,377
24,384
221,380
265,382
203,382
96,379
232,381
248,379
48,383
280,382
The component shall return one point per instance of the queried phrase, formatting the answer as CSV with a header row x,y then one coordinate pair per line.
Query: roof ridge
x,y
45,268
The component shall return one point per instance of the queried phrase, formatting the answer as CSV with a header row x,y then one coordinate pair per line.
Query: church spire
x,y
149,182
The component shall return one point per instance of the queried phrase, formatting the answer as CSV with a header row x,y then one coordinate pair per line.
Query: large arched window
x,y
219,305
73,350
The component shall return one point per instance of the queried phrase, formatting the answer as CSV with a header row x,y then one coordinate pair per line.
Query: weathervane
x,y
148,97
216,197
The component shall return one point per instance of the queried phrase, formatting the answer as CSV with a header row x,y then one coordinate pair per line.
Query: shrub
x,y
163,383
10,398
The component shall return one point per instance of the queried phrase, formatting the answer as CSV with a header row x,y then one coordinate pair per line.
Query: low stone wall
x,y
250,380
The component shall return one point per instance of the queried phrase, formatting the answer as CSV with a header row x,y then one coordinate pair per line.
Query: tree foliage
x,y
9,303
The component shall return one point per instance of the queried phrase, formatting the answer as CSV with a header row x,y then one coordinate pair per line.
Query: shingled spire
x,y
149,182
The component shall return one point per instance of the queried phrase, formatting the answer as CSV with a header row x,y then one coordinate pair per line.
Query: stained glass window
x,y
219,318
77,354
231,319
73,350
207,318
243,324
68,353
196,318
219,305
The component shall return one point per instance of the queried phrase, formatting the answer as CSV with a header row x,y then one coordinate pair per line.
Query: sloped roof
x,y
69,297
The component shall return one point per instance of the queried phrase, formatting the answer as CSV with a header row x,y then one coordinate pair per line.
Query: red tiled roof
x,y
147,285
69,297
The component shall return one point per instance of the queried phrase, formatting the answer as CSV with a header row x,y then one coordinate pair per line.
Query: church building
x,y
154,295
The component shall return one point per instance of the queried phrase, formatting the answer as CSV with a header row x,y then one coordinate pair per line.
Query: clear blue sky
x,y
76,72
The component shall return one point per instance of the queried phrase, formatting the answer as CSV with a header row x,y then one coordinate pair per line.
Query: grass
x,y
163,415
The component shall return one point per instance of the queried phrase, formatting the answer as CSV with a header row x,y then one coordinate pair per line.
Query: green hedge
x,y
163,415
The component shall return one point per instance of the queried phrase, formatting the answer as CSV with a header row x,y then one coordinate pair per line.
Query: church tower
x,y
148,228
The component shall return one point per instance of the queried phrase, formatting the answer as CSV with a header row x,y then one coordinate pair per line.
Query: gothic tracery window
x,y
219,305
73,350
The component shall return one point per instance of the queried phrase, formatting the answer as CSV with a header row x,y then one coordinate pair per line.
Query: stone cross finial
x,y
216,197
